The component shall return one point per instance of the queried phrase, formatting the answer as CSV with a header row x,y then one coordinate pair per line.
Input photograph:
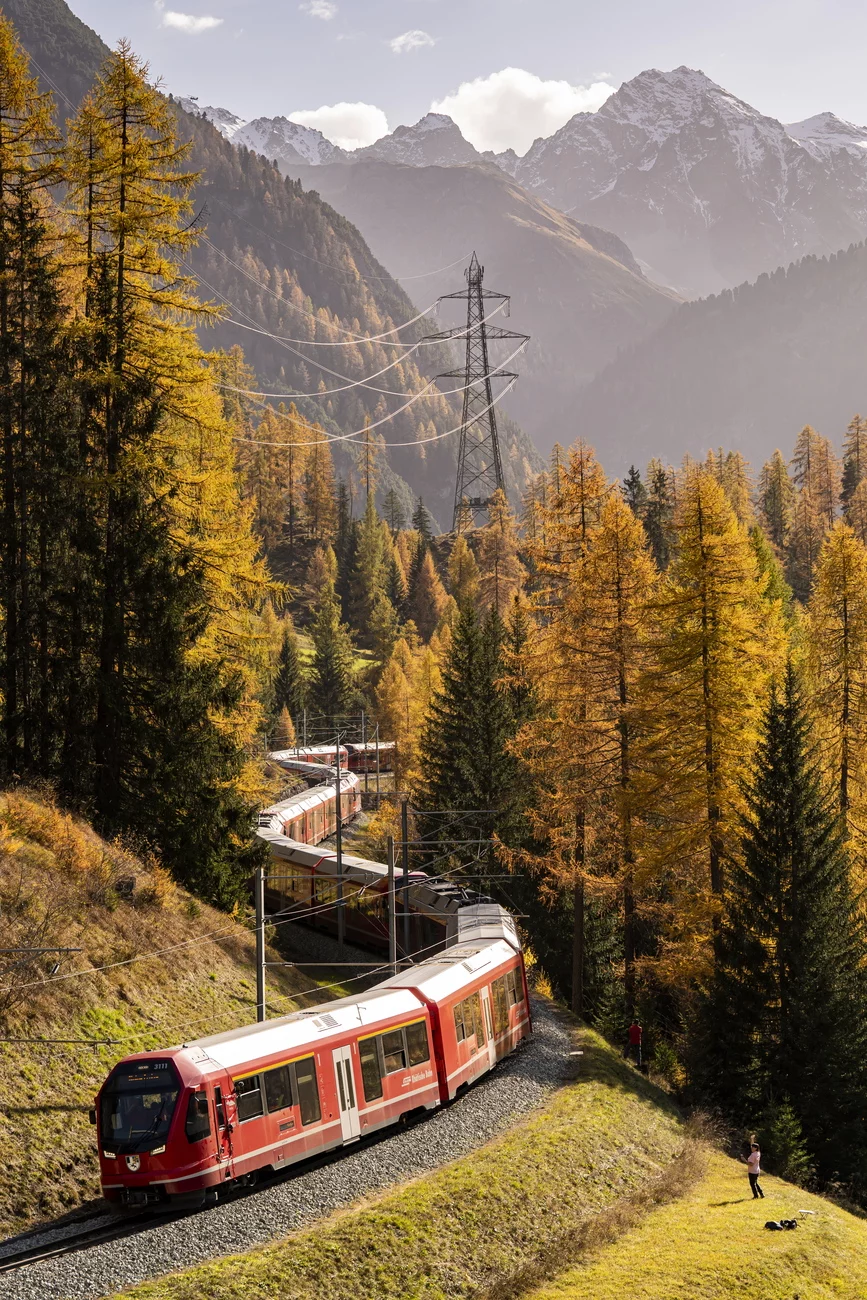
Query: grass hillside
x,y
60,884
604,1142
712,1245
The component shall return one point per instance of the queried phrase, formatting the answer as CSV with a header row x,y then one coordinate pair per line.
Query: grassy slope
x,y
712,1245
52,866
464,1230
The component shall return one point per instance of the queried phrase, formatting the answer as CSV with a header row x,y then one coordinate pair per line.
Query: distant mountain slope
x,y
746,369
297,268
705,189
576,289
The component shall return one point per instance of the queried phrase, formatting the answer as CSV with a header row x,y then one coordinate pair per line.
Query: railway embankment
x,y
712,1244
582,1166
61,886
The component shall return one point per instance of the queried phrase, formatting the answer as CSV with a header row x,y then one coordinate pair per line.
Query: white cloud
x,y
323,9
192,24
413,40
352,126
509,109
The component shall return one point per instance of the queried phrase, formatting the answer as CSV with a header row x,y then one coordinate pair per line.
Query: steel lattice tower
x,y
480,467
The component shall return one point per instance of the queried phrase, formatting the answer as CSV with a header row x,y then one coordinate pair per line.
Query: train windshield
x,y
137,1106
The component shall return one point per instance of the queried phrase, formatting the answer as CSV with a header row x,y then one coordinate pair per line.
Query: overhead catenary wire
x,y
352,343
288,347
360,433
214,935
325,392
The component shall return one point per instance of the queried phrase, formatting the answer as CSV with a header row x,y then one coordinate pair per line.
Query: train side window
x,y
475,1003
249,1094
221,1110
198,1122
393,1051
518,987
278,1088
416,1043
371,1071
501,1005
308,1090
460,1031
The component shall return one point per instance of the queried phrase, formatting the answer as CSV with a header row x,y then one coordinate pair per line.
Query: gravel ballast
x,y
517,1086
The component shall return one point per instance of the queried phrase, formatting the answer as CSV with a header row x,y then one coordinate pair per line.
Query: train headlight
x,y
133,1163
157,1151
110,1155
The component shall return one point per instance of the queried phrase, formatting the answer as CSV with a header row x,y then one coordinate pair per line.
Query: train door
x,y
349,1117
489,1026
224,1106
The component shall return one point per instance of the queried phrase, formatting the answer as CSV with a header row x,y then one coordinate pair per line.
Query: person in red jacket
x,y
633,1042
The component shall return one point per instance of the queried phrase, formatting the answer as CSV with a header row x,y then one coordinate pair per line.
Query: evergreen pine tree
x,y
393,511
290,687
776,588
659,513
464,758
368,575
331,687
634,492
423,524
345,545
784,1018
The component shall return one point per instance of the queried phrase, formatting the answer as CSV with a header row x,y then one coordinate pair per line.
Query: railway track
x,y
81,1239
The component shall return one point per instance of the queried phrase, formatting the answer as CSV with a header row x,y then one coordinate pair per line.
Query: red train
x,y
175,1126
356,757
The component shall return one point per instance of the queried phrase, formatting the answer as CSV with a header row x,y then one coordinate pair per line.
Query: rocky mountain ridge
x,y
705,189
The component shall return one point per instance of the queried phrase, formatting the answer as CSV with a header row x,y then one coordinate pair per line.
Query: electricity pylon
x,y
480,466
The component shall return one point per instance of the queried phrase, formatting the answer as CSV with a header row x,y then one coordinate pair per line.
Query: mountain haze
x,y
575,289
745,369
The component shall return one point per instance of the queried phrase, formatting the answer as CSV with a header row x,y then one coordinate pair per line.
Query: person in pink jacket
x,y
754,1161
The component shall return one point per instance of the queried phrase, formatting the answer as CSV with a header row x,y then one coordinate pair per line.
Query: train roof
x,y
450,971
301,1029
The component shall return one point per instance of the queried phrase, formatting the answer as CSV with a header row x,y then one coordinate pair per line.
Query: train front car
x,y
175,1126
162,1131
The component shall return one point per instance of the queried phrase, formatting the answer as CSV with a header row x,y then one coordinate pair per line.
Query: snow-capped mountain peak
x,y
276,137
705,189
226,122
826,132
434,141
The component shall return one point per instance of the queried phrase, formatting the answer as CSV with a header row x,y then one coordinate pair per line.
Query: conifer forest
x,y
646,697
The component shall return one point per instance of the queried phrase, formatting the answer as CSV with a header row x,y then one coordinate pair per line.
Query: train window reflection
x,y
249,1094
393,1051
308,1090
416,1042
278,1088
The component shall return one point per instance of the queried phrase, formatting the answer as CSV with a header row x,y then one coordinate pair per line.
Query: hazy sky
x,y
388,61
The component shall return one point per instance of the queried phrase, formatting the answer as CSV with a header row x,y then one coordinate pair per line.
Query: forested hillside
x,y
744,369
649,699
285,263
